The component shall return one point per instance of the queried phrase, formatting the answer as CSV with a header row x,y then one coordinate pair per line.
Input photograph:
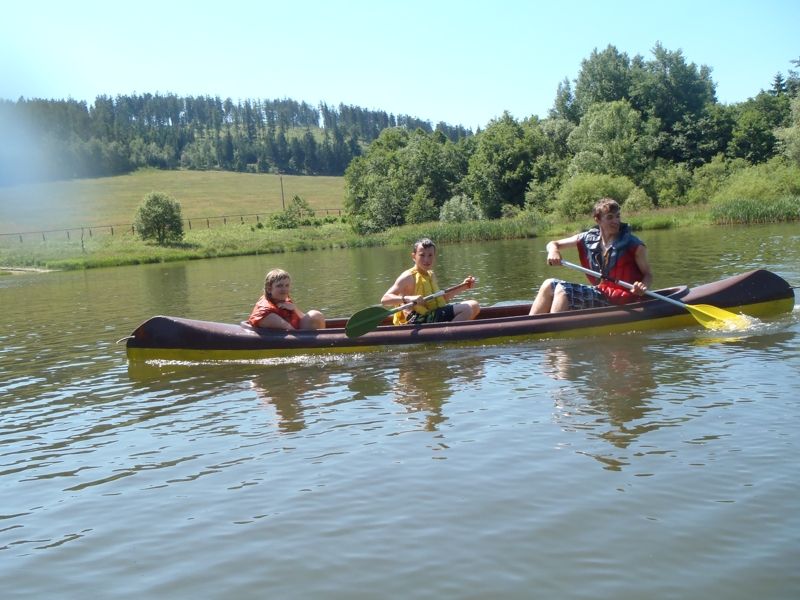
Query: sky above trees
x,y
446,61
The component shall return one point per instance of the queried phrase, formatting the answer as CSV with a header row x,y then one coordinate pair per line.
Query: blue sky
x,y
459,62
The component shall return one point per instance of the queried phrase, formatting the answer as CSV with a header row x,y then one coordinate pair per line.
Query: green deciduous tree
x,y
611,139
501,166
789,137
159,218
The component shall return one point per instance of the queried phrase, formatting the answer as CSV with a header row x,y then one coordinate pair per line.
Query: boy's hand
x,y
470,282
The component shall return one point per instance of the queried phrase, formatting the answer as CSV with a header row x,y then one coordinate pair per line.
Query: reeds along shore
x,y
245,239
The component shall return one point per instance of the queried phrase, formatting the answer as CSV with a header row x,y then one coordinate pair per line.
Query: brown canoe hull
x,y
757,293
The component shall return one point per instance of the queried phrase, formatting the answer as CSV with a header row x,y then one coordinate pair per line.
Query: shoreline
x,y
243,240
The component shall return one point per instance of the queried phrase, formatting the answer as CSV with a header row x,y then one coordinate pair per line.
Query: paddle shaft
x,y
426,298
624,284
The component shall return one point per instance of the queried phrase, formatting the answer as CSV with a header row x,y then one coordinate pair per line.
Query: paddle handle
x,y
426,298
624,284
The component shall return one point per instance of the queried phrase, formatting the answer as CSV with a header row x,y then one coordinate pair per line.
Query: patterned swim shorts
x,y
440,315
581,296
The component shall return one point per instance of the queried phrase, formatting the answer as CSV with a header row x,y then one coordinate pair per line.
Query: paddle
x,y
708,316
370,318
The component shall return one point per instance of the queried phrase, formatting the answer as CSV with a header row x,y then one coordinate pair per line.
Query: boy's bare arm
x,y
402,292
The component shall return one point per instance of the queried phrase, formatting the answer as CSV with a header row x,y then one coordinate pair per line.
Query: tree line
x,y
649,131
43,140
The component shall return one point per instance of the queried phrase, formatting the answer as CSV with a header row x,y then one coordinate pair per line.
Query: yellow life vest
x,y
424,285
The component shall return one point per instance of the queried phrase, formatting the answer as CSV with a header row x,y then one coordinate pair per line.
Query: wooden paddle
x,y
370,318
708,316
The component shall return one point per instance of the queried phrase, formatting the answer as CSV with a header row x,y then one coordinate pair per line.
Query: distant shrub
x,y
509,211
579,194
422,209
460,209
767,181
637,201
159,218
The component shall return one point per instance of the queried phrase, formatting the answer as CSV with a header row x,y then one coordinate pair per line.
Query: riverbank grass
x,y
247,239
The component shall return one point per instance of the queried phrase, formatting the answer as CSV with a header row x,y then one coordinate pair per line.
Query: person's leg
x,y
560,300
544,299
466,311
313,320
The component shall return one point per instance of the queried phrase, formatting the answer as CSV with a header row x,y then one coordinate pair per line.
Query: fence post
x,y
20,239
90,232
43,238
190,223
224,220
242,218
67,233
208,225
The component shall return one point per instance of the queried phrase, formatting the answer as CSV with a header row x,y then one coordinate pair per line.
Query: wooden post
x,y
67,233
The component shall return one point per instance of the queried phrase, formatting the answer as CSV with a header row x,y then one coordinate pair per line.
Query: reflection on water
x,y
293,475
424,383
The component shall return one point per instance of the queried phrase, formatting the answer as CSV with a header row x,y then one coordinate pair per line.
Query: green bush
x,y
765,182
460,209
422,209
159,218
580,193
637,201
668,183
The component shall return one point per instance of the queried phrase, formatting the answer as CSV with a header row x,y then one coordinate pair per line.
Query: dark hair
x,y
423,243
605,205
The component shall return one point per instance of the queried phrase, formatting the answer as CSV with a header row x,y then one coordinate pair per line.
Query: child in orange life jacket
x,y
416,283
610,249
275,309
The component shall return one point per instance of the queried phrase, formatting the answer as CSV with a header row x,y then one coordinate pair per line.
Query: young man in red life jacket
x,y
414,284
610,249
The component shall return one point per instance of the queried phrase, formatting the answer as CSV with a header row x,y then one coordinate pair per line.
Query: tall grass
x,y
746,210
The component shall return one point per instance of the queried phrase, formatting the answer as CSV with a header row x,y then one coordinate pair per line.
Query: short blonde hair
x,y
272,277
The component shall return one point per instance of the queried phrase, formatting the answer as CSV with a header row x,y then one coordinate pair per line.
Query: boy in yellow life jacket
x,y
415,284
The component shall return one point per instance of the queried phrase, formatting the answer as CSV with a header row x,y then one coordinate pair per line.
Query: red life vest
x,y
264,307
618,262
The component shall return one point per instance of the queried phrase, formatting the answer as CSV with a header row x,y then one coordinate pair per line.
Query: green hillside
x,y
113,200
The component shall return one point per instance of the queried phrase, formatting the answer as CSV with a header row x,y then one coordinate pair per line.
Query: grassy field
x,y
113,200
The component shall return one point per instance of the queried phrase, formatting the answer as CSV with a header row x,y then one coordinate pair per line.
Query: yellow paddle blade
x,y
716,318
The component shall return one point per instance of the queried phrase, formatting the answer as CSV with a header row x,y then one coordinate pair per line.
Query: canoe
x,y
758,293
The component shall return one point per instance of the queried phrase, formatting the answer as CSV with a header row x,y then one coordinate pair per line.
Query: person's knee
x,y
475,307
314,320
467,310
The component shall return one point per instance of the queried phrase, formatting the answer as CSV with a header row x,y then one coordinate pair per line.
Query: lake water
x,y
658,465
